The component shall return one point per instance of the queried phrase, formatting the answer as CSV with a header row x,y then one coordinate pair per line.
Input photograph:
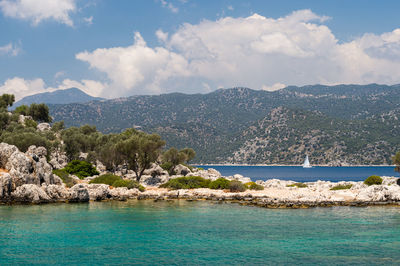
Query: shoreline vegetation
x,y
44,163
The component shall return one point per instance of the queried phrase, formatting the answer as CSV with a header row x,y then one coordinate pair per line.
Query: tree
x,y
58,126
4,120
39,112
173,157
6,100
190,154
22,110
396,161
109,156
139,151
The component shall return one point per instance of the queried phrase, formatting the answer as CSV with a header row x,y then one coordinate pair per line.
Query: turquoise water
x,y
300,174
197,233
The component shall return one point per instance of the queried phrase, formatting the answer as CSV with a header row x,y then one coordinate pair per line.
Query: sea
x,y
196,233
205,233
300,174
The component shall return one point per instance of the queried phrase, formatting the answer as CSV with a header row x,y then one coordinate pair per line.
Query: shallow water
x,y
180,232
300,174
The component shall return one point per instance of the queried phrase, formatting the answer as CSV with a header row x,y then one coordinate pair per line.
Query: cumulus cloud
x,y
21,87
136,66
10,49
253,51
37,11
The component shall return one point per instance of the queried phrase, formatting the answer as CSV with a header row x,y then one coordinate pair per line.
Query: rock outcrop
x,y
43,127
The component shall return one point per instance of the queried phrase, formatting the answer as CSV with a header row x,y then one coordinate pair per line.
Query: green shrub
x,y
340,187
65,177
31,123
300,185
373,180
168,166
254,186
107,179
81,169
220,183
187,182
236,186
128,184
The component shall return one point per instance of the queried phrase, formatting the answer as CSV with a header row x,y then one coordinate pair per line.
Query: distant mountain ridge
x,y
71,95
343,124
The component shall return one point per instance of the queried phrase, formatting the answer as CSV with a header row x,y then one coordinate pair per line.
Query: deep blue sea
x,y
196,233
300,174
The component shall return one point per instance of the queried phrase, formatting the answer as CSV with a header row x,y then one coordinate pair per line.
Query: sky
x,y
112,49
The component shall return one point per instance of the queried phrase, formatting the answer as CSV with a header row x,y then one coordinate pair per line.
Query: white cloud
x,y
91,87
136,66
253,51
89,20
274,87
10,49
21,87
230,8
37,11
169,5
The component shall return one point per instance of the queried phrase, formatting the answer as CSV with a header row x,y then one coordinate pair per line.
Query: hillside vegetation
x,y
344,124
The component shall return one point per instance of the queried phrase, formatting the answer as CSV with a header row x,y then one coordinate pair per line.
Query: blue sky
x,y
194,46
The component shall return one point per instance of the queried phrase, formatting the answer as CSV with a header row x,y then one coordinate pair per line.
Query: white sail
x,y
306,163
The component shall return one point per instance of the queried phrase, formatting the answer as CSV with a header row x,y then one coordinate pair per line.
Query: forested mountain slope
x,y
344,124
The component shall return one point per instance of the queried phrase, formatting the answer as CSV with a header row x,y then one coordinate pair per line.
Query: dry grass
x,y
3,170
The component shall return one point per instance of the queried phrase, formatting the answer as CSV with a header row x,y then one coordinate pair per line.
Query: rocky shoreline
x,y
27,178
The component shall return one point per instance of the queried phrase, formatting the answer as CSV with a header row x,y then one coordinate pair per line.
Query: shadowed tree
x,y
6,100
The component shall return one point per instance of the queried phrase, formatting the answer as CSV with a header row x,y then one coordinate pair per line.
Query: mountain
x,y
72,95
343,124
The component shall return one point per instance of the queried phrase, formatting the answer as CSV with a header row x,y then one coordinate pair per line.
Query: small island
x,y
43,163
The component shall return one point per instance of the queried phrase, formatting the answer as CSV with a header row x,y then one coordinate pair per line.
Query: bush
x,y
340,187
236,186
220,183
168,166
65,177
299,185
187,182
128,184
81,169
254,186
373,180
108,179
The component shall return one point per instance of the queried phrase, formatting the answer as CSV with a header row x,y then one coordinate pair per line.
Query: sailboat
x,y
306,163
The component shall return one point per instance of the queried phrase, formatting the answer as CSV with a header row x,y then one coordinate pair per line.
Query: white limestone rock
x,y
155,170
56,192
148,180
43,127
98,192
78,193
30,193
210,173
5,185
240,178
123,193
182,170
